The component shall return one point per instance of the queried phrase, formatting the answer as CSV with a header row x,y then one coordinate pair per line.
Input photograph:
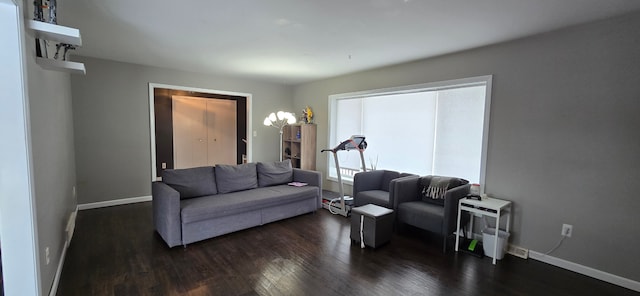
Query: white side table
x,y
491,207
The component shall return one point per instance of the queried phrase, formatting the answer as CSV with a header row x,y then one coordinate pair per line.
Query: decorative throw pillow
x,y
274,173
434,188
231,178
191,182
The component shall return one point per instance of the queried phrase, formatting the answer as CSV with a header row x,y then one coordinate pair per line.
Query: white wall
x,y
563,139
54,171
18,231
111,120
39,158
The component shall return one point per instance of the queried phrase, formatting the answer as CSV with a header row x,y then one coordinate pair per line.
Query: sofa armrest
x,y
451,200
392,188
365,181
312,178
166,213
404,190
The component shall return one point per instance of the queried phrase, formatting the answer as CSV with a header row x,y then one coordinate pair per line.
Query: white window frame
x,y
485,80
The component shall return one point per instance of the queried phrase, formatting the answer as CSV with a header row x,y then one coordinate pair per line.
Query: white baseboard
x,y
56,279
585,270
115,202
71,225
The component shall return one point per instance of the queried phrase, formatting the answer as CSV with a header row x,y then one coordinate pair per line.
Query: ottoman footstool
x,y
371,225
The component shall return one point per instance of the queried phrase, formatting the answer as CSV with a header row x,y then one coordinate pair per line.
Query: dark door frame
x,y
160,99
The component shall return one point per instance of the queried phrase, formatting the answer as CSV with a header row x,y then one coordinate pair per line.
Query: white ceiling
x,y
295,41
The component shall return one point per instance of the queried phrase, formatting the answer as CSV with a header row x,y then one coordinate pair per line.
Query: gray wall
x,y
563,141
54,172
111,123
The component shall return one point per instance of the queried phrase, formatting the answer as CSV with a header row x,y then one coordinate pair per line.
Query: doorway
x,y
161,99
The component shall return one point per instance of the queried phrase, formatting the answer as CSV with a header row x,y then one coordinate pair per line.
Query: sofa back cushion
x,y
434,188
274,173
231,178
402,175
191,182
387,176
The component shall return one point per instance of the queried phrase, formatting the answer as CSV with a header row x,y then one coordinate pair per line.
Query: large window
x,y
428,129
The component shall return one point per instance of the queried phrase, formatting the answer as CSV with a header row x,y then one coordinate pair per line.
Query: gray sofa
x,y
191,205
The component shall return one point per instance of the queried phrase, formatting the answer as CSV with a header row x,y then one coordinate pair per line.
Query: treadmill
x,y
342,205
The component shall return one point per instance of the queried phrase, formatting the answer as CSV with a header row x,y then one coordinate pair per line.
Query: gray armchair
x,y
430,203
374,187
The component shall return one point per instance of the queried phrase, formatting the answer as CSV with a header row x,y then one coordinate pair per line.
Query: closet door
x,y
221,132
204,132
189,132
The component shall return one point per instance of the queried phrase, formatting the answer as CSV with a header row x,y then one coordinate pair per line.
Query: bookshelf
x,y
299,145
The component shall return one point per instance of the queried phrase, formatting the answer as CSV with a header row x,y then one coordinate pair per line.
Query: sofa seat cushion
x,y
376,197
422,215
220,205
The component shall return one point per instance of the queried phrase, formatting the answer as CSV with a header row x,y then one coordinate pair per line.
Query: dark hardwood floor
x,y
115,251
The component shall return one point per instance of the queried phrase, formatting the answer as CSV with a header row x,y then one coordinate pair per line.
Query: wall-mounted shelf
x,y
57,65
53,32
57,33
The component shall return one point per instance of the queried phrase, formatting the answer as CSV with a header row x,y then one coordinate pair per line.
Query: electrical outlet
x,y
567,229
46,255
164,165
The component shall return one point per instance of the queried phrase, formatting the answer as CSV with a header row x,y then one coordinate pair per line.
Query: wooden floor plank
x,y
116,252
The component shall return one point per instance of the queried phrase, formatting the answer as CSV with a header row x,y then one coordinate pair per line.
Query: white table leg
x,y
362,231
458,229
495,242
509,218
471,218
